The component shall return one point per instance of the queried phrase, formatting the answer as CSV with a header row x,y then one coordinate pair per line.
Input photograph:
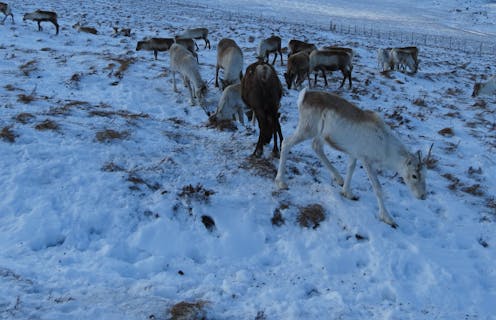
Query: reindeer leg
x,y
155,53
39,26
344,78
275,57
217,76
299,136
325,78
318,147
383,214
347,182
280,53
4,19
174,81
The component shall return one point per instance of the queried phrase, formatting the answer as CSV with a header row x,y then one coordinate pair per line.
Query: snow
x,y
101,207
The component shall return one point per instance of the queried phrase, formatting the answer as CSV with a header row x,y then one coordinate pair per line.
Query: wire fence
x,y
460,43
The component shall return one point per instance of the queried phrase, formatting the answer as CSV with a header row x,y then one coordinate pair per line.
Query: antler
x,y
428,157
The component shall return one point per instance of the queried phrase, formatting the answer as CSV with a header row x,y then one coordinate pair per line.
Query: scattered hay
x,y
7,134
109,135
112,167
189,311
24,117
136,181
475,190
47,125
311,216
262,167
222,125
120,113
277,218
26,98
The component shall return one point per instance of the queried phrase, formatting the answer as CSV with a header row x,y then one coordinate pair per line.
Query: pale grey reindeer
x,y
231,105
268,46
40,16
182,61
230,59
5,9
331,60
363,135
195,33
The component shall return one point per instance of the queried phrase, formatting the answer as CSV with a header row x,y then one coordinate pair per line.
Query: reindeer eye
x,y
414,176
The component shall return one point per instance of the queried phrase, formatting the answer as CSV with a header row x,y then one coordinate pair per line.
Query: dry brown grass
x,y
120,113
47,125
26,98
24,117
447,132
7,134
311,216
28,67
109,135
188,310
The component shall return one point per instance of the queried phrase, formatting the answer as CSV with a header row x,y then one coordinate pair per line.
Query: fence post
x,y
480,51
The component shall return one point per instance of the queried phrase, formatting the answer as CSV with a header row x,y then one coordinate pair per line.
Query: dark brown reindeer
x,y
261,91
5,9
297,69
40,16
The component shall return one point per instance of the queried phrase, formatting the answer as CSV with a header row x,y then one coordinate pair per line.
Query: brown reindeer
x,y
155,45
40,16
330,60
261,91
5,9
297,69
296,46
196,33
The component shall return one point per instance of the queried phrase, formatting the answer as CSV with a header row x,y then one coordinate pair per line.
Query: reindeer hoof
x,y
281,185
389,221
339,181
350,196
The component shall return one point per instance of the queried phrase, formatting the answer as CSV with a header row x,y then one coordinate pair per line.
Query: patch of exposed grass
x,y
198,193
26,98
47,125
120,113
28,67
24,117
109,135
311,216
188,310
7,134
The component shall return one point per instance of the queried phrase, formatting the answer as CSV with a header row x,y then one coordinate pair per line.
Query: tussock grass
x,y
26,98
24,117
311,216
29,67
6,134
47,125
109,135
188,310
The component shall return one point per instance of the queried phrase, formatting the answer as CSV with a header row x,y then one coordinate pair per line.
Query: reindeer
x,y
126,32
331,60
196,33
363,135
384,59
268,46
231,105
81,28
405,57
296,46
40,16
182,61
5,9
339,49
155,45
230,59
261,90
297,69
485,88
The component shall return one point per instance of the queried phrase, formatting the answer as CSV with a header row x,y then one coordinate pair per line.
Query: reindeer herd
x,y
324,117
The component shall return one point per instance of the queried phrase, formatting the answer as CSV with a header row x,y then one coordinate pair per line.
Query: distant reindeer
x,y
297,69
196,33
485,88
126,32
268,46
330,60
182,61
363,135
155,45
230,59
296,46
85,29
5,9
40,16
261,90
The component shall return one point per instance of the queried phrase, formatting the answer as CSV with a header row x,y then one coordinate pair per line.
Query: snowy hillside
x,y
120,201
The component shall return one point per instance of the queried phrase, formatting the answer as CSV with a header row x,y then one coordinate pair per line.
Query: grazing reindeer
x,y
384,59
326,117
196,33
485,88
5,9
231,105
230,59
155,45
405,57
331,60
268,46
40,16
296,46
339,49
189,44
261,90
81,28
182,61
126,32
297,69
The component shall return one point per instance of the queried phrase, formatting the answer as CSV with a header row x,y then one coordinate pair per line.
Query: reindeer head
x,y
414,174
477,88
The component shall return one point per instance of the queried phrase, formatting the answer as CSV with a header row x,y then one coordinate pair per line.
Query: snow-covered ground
x,y
108,176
